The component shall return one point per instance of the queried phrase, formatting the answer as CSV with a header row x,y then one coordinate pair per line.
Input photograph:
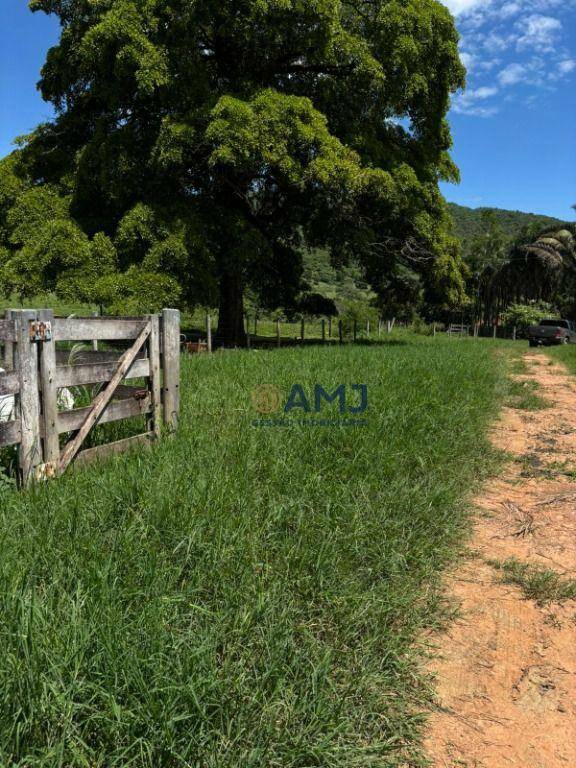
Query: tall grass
x,y
244,596
565,354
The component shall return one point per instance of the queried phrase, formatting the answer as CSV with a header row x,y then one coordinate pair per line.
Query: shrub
x,y
524,315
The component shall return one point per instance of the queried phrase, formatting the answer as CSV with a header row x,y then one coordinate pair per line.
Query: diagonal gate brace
x,y
101,401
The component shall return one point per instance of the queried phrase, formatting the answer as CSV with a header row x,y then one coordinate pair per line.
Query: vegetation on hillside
x,y
512,262
470,223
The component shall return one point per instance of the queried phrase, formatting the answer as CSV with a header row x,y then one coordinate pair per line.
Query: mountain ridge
x,y
468,221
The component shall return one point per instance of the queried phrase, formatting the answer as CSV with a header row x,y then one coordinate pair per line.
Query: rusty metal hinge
x,y
40,331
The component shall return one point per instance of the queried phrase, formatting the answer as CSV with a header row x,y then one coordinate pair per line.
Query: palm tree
x,y
555,251
537,270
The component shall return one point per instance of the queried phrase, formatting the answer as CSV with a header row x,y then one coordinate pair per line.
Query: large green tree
x,y
214,139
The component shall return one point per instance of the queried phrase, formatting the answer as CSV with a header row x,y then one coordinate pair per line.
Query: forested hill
x,y
348,285
468,221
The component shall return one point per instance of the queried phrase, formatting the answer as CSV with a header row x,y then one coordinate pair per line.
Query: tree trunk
x,y
231,329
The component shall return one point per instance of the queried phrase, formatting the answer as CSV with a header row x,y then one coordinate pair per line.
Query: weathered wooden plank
x,y
9,383
49,385
10,346
111,449
126,392
30,448
88,357
10,432
97,328
155,382
7,330
102,400
80,375
70,421
171,366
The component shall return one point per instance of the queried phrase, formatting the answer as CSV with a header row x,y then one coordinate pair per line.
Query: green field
x,y
242,595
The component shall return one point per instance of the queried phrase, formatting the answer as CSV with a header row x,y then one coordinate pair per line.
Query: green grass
x,y
48,301
524,395
565,353
541,584
244,596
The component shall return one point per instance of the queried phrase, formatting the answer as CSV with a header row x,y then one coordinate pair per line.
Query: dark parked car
x,y
552,332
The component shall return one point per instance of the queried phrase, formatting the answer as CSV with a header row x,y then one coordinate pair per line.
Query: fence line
x,y
322,331
38,372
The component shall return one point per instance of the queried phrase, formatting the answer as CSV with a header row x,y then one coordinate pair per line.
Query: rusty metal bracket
x,y
40,331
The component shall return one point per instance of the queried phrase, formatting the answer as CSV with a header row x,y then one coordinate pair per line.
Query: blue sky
x,y
514,128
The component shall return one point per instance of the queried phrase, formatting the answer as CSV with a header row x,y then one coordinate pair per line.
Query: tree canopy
x,y
537,268
200,145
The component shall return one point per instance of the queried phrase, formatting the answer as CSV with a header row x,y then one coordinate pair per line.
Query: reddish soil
x,y
506,669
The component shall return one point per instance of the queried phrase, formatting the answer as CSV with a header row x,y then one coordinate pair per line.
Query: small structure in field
x,y
39,373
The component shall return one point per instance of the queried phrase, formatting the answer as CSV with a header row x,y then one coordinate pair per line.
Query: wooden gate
x,y
40,363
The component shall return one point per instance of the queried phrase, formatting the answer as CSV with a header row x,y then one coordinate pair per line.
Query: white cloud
x,y
468,103
512,46
512,74
474,111
495,43
484,93
531,72
539,32
509,9
463,6
566,66
467,59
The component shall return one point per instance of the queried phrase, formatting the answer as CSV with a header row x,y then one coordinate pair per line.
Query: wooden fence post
x,y
155,375
514,334
494,332
30,447
329,327
255,326
95,341
9,348
278,332
208,333
323,330
49,390
171,361
340,332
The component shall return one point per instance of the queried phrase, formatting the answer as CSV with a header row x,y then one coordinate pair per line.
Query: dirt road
x,y
506,672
